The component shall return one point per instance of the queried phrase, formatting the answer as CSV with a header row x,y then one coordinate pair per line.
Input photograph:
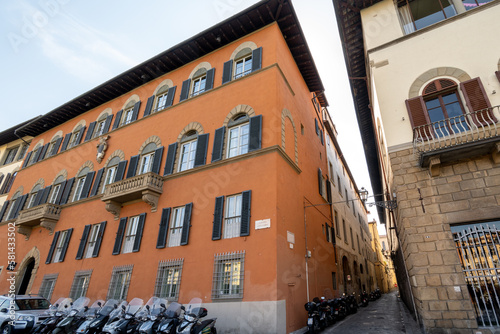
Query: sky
x,y
55,50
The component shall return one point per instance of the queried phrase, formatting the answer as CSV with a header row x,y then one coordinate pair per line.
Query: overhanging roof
x,y
351,35
253,18
9,135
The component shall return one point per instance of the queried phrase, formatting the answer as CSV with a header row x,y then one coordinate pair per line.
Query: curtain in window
x,y
405,15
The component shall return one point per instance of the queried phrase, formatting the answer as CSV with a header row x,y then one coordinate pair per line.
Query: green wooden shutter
x,y
52,247
200,158
227,71
218,218
138,235
255,133
161,242
83,242
170,161
186,224
119,236
218,144
98,241
132,167
257,59
185,90
246,198
90,131
157,160
65,245
149,106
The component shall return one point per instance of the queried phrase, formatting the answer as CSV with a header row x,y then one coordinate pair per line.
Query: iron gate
x,y
478,247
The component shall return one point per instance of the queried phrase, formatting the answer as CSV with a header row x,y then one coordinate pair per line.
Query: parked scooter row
x,y
112,317
325,312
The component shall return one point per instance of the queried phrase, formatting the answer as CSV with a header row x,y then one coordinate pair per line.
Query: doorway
x,y
26,277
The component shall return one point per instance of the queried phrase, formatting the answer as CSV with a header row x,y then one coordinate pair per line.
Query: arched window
x,y
111,169
246,61
76,136
238,135
54,146
34,154
161,98
12,206
56,189
147,156
80,181
188,150
128,113
201,81
100,127
33,195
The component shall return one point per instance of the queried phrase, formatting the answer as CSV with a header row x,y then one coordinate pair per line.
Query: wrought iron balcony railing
x,y
45,215
147,187
468,131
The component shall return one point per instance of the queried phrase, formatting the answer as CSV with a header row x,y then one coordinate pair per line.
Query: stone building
x,y
425,80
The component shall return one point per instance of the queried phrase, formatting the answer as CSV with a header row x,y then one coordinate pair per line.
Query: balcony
x,y
146,187
452,139
45,215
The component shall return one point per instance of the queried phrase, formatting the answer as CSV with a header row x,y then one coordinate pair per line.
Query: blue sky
x,y
54,50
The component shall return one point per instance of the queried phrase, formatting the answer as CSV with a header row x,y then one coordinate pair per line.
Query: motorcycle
x,y
171,319
337,308
96,316
127,322
364,299
152,316
73,318
313,318
352,304
325,314
192,323
56,312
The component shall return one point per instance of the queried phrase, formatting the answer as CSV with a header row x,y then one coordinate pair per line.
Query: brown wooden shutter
x,y
419,118
477,100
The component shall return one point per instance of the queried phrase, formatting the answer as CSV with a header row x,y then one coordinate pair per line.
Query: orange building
x,y
186,176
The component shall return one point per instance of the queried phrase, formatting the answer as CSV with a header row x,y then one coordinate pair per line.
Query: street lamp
x,y
389,205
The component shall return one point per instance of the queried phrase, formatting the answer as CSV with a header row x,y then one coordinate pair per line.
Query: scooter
x,y
95,312
74,318
364,299
192,323
153,315
313,319
127,322
171,319
56,312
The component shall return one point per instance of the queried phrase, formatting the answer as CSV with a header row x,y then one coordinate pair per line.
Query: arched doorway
x,y
347,273
23,287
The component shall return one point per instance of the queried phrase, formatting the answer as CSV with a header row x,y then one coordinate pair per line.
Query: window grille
x,y
80,284
47,286
228,277
119,283
168,279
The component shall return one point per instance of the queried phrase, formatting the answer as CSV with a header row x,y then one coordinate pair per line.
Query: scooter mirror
x,y
99,303
86,308
147,307
183,308
115,306
123,307
163,305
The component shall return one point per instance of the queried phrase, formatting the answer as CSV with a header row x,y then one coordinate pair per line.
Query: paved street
x,y
387,315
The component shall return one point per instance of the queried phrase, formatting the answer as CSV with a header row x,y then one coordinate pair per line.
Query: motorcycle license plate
x,y
336,312
310,321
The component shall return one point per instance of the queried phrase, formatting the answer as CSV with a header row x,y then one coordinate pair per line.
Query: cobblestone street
x,y
386,315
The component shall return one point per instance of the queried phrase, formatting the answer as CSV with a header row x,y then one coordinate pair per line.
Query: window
x,y
352,238
11,154
13,200
100,126
147,158
168,279
357,239
337,223
74,139
52,146
56,188
127,116
233,219
199,84
238,136
92,240
347,197
130,234
60,247
232,216
47,286
80,284
22,152
243,66
340,187
119,283
418,14
345,231
34,154
188,151
228,275
176,224
32,196
471,4
110,172
331,174
82,176
334,281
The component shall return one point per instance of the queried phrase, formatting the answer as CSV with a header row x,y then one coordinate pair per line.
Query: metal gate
x,y
478,247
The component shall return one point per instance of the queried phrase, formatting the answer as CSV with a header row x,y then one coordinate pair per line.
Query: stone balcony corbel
x,y
45,215
434,166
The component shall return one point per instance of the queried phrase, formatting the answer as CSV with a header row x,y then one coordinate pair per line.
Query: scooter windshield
x,y
149,305
173,310
156,307
65,304
108,307
116,311
194,303
135,305
80,303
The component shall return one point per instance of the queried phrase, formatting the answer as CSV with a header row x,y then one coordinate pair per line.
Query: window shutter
x,y
4,187
43,152
45,195
157,160
246,198
162,234
107,124
201,150
120,170
52,247
4,209
257,59
65,245
21,201
327,230
59,194
255,133
476,99
418,116
15,205
67,191
27,159
218,216
328,191
321,137
83,242
210,79
65,142
80,135
218,144
11,181
1,179
149,106
117,119
138,235
185,90
186,224
169,163
97,182
86,185
98,241
37,155
55,149
132,167
170,96
119,236
316,126
320,182
38,197
227,71
90,131
135,112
